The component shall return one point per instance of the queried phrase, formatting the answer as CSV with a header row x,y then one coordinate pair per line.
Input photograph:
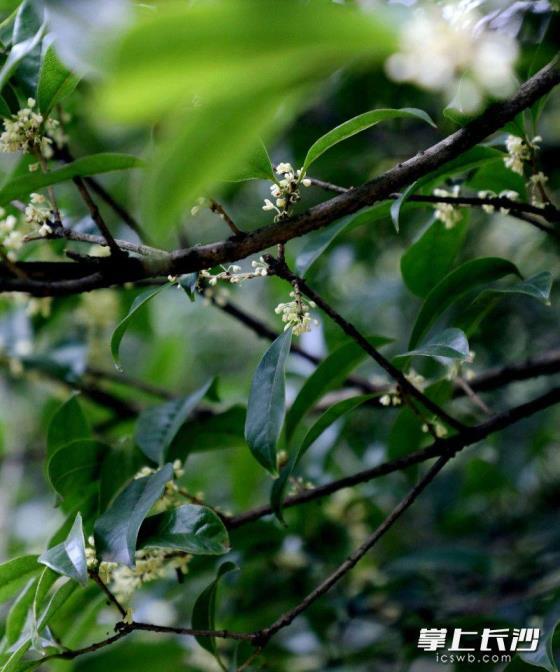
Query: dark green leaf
x,y
26,37
122,326
316,243
266,407
67,424
544,656
75,466
55,81
449,344
204,609
116,531
331,415
21,187
430,258
357,125
466,277
190,528
69,557
157,426
327,376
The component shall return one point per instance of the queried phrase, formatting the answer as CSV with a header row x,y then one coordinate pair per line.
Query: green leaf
x,y
190,528
21,187
69,557
157,426
212,141
233,49
316,243
449,344
397,204
76,466
123,325
357,125
537,287
55,81
430,258
15,573
204,609
256,166
26,37
13,663
463,279
188,283
266,407
67,424
331,415
17,616
116,531
327,376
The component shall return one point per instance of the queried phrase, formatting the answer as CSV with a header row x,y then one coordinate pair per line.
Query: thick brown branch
x,y
381,188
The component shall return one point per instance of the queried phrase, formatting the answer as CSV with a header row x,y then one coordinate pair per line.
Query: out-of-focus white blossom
x,y
519,151
39,213
441,43
536,184
295,314
11,239
447,212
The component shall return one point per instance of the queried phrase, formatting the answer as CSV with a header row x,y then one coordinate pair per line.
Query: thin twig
x,y
110,595
282,270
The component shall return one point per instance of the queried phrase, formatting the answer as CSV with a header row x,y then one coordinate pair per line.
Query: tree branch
x,y
235,248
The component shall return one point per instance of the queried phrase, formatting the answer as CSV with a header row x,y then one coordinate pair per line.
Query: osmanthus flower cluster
x,y
447,212
151,563
522,151
29,132
286,190
295,313
38,217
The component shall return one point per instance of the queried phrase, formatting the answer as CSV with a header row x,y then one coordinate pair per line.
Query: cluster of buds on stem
x,y
286,190
520,151
295,313
506,193
447,212
234,274
29,132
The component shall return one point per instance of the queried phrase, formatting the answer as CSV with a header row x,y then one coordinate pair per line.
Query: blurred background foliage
x,y
481,546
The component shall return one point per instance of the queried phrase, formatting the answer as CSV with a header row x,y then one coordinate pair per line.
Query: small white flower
x,y
447,212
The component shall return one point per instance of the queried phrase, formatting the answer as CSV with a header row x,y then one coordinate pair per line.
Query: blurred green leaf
x,y
256,166
316,243
357,125
157,426
18,614
190,528
204,609
266,406
466,277
21,187
69,557
116,531
544,656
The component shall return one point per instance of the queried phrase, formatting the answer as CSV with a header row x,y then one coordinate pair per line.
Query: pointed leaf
x,y
69,557
449,344
76,466
157,426
116,531
204,609
190,528
67,424
327,376
21,187
331,415
466,277
15,573
358,124
256,166
55,81
19,611
266,407
123,325
316,243
430,258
